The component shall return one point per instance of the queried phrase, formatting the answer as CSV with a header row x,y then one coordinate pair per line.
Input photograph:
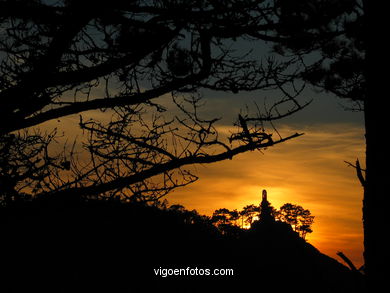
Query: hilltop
x,y
111,246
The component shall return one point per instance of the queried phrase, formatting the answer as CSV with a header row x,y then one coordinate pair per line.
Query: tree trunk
x,y
376,186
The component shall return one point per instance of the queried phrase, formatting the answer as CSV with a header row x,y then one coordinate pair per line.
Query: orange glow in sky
x,y
309,171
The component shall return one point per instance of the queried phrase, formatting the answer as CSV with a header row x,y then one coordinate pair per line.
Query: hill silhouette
x,y
53,245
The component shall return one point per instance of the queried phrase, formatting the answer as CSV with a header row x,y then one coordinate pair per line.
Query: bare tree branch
x,y
359,171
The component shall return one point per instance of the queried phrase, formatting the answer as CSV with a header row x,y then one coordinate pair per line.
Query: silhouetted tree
x,y
234,216
248,213
347,65
226,221
27,165
221,216
68,57
177,208
295,215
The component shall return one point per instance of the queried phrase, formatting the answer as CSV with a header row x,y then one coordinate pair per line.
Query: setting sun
x,y
192,146
309,171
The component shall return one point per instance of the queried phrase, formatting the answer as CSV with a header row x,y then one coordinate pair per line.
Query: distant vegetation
x,y
296,216
232,221
114,246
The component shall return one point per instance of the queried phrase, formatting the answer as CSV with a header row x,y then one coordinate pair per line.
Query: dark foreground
x,y
108,246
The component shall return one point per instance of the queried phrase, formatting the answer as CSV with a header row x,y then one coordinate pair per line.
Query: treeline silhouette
x,y
229,221
52,245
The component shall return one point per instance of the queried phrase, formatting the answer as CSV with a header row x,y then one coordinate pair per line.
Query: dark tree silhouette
x,y
177,207
300,219
296,216
59,58
227,222
349,66
27,165
221,216
69,57
248,213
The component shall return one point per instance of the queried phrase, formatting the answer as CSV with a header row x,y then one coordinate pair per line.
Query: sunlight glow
x,y
308,171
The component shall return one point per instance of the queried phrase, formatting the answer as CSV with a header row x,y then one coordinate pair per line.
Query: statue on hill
x,y
266,210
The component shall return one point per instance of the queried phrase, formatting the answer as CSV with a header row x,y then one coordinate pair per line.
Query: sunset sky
x,y
309,170
115,112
